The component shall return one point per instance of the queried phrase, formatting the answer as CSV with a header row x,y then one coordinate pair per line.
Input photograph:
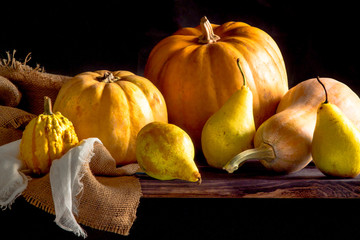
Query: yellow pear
x,y
336,142
165,152
231,129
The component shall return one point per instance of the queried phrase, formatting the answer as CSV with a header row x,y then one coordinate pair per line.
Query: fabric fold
x,y
72,189
12,181
65,180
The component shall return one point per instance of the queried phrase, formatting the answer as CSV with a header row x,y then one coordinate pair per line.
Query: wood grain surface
x,y
253,181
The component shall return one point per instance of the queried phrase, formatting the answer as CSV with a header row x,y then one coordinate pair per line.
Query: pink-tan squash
x,y
283,142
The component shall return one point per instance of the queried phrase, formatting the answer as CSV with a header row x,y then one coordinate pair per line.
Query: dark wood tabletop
x,y
251,203
254,181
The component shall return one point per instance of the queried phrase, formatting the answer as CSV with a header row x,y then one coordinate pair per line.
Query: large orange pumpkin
x,y
112,106
196,71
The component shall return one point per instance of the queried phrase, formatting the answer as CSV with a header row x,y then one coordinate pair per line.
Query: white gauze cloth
x,y
65,180
12,181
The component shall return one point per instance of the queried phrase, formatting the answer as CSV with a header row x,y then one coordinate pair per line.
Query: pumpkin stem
x,y
108,78
47,106
208,35
326,95
242,73
263,152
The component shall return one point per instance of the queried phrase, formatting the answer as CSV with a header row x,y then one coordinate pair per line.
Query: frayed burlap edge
x,y
48,206
39,204
12,63
33,83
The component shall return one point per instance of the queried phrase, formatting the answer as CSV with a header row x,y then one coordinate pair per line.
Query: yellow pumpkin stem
x,y
108,78
47,106
263,152
208,35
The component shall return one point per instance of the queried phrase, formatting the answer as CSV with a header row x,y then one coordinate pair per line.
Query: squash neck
x,y
263,152
208,35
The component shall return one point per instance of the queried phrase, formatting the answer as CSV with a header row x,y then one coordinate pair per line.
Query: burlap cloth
x,y
33,83
110,195
109,199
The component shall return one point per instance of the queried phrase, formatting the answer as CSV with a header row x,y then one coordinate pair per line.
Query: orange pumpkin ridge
x,y
195,69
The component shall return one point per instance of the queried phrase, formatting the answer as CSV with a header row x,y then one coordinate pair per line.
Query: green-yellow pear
x,y
336,142
231,129
165,152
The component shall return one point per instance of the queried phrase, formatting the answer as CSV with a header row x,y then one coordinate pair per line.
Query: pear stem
x,y
199,181
263,152
322,84
242,73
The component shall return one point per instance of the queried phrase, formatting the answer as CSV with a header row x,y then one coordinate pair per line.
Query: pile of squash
x,y
188,77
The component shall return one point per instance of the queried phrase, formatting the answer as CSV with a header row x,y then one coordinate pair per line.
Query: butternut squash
x,y
283,142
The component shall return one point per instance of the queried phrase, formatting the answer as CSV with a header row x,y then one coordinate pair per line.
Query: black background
x,y
208,219
66,37
315,37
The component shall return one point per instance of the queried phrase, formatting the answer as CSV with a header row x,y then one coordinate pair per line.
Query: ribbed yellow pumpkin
x,y
46,138
112,106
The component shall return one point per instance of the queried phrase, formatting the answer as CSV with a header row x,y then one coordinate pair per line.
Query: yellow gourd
x,y
47,137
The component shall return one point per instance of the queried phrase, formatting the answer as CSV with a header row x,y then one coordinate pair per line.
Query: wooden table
x,y
252,203
253,181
